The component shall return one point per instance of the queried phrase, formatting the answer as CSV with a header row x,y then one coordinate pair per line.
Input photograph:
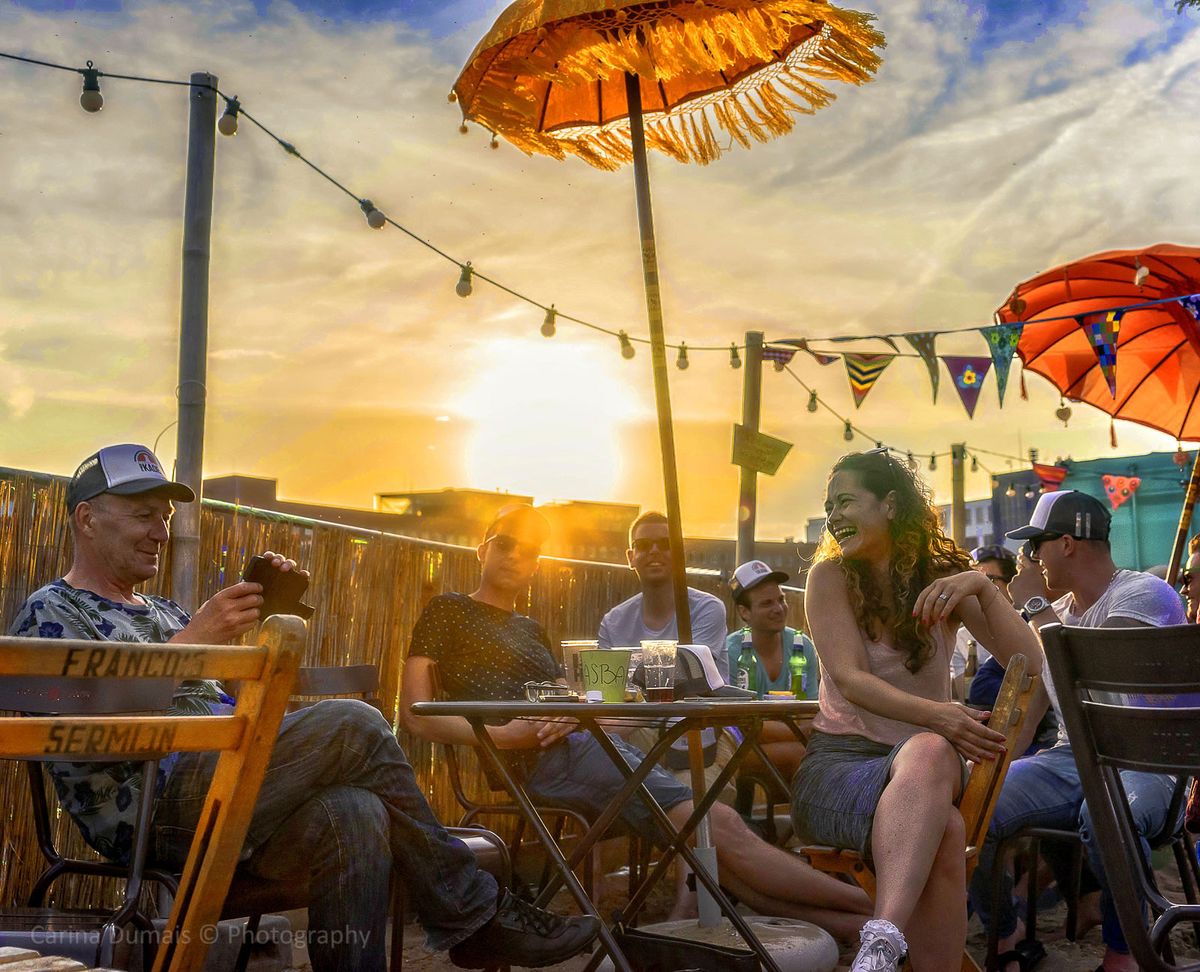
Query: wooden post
x,y
748,478
658,356
193,336
1179,547
958,503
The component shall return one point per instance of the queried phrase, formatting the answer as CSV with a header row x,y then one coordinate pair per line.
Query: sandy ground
x,y
1062,956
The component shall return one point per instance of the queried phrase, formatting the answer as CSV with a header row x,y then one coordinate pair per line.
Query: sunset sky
x,y
1000,138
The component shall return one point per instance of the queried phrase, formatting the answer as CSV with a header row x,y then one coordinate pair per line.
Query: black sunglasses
x,y
1036,543
506,545
1185,578
646,544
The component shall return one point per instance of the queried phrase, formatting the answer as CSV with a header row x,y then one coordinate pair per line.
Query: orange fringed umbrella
x,y
602,79
550,74
1156,371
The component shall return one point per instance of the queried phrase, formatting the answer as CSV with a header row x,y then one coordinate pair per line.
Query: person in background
x,y
1189,585
768,656
999,565
885,762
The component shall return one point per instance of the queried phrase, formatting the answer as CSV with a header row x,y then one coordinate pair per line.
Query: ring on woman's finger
x,y
943,597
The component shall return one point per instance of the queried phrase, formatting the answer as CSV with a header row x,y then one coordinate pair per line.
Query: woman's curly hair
x,y
921,553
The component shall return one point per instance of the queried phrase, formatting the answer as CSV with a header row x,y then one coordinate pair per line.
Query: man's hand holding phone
x,y
271,584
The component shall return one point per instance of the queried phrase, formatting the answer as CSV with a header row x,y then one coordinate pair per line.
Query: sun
x,y
547,420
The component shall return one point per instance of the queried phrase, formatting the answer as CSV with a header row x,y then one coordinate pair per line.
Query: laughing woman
x,y
885,764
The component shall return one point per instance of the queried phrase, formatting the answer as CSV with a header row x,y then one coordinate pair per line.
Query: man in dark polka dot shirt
x,y
484,649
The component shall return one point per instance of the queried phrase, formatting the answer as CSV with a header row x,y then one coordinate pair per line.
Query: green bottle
x,y
747,673
798,666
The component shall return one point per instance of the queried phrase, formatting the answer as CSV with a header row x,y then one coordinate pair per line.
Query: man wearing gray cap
x,y
1067,542
339,808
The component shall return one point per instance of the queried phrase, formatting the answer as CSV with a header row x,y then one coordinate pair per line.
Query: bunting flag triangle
x,y
1002,341
1102,330
781,356
802,345
1191,304
968,373
923,343
864,370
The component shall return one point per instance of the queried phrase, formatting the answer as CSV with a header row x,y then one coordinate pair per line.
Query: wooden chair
x,y
244,738
978,800
1124,732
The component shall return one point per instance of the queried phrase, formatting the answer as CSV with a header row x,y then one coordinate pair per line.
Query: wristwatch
x,y
1035,605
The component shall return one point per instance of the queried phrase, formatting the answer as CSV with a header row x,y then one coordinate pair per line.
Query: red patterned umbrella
x,y
1157,363
1141,365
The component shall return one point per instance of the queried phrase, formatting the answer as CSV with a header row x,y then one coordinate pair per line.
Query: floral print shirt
x,y
102,798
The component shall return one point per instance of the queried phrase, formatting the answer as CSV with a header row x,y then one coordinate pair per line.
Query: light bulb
x,y
912,462
463,287
932,462
627,349
462,129
91,100
227,124
735,360
848,432
812,401
1140,273
1011,491
1029,492
495,142
548,323
780,365
682,361
375,219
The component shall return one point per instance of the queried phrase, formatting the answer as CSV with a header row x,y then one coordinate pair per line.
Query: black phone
x,y
281,589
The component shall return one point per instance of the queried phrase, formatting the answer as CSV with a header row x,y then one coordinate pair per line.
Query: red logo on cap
x,y
147,462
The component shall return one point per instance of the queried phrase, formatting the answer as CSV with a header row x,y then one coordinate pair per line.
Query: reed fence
x,y
368,589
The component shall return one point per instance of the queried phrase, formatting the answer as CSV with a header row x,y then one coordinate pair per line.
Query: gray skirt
x,y
837,788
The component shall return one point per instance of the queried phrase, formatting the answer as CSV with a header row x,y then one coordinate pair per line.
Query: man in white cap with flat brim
x,y
1067,541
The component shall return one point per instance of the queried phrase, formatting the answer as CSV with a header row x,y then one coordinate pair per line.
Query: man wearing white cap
x,y
1067,538
339,808
770,653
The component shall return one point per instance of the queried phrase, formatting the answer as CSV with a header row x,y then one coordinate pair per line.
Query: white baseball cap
x,y
125,470
751,574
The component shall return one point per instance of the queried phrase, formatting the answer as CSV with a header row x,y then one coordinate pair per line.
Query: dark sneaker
x,y
520,934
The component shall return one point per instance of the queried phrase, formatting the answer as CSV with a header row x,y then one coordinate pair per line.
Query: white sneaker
x,y
883,947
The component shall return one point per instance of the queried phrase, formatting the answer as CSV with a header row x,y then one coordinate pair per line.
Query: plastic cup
x,y
572,661
658,662
605,671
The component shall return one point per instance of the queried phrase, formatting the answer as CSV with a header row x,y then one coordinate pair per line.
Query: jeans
x,y
1043,790
578,774
338,809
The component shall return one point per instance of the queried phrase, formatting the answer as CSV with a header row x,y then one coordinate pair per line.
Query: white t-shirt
x,y
624,626
1130,594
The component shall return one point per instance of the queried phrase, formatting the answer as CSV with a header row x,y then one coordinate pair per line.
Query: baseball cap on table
x,y
126,470
520,520
751,574
1066,513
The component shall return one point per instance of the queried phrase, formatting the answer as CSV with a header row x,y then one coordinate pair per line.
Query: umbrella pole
x,y
658,356
1185,522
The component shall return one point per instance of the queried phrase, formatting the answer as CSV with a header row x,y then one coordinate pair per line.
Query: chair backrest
x,y
325,681
1126,730
244,738
979,797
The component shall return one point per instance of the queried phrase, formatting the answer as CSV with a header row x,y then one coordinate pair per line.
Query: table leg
x,y
539,827
678,844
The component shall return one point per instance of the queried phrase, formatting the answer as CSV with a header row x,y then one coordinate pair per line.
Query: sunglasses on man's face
x,y
1036,545
1185,577
646,544
506,545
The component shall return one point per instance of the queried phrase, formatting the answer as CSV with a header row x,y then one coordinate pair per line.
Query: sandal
x,y
1027,954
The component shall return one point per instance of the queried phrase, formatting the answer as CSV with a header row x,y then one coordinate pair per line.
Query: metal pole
x,y
193,335
1185,522
658,356
748,478
958,503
